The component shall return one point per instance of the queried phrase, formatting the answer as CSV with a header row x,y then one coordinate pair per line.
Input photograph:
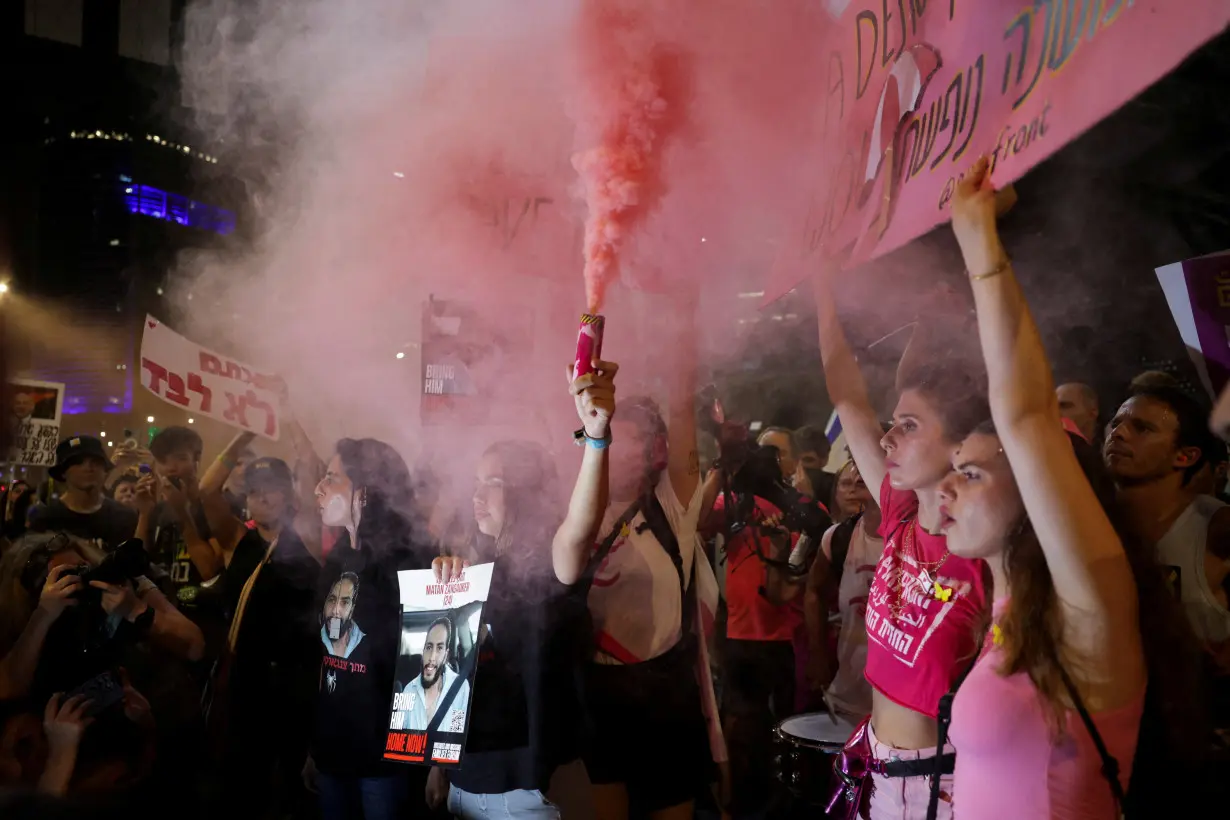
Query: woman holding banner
x,y
1048,721
924,602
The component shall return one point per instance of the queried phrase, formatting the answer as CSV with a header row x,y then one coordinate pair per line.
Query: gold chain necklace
x,y
898,582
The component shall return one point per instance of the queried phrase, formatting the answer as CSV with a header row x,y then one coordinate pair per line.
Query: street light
x,y
192,421
150,419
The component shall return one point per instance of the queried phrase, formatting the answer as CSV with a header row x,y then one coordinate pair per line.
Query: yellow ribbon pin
x,y
625,530
997,635
942,593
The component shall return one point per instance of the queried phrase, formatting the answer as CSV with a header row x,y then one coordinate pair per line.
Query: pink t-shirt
x,y
919,640
1008,763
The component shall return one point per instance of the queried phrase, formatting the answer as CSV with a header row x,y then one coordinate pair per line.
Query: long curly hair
x,y
380,474
1033,621
531,502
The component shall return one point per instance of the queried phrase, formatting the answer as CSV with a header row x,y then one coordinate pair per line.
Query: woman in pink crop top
x,y
924,603
1065,629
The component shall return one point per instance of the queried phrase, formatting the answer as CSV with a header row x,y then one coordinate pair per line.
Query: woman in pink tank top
x,y
1063,658
924,602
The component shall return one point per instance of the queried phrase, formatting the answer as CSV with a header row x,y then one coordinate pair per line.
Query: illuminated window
x,y
150,201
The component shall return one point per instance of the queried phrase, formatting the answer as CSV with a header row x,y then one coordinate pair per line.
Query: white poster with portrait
x,y
441,629
34,421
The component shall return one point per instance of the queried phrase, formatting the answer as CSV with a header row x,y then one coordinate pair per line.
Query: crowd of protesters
x,y
1017,606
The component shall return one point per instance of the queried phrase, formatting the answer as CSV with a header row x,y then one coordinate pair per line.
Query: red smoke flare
x,y
633,96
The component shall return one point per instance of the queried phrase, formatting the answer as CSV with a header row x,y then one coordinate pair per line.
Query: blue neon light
x,y
159,204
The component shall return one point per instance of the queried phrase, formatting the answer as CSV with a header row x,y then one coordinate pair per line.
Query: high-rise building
x,y
103,186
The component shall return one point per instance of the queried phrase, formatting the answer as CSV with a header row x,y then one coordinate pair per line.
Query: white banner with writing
x,y
34,419
181,372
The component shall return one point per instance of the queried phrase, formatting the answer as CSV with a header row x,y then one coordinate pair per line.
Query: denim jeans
x,y
352,798
522,803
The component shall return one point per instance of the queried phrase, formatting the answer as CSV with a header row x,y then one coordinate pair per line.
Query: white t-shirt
x,y
849,692
635,600
1182,554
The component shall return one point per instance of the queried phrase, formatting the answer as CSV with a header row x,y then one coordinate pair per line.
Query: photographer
x,y
40,581
749,501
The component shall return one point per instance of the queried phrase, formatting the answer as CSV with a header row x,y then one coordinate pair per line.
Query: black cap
x,y
72,450
268,474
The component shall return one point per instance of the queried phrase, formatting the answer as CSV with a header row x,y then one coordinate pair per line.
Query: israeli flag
x,y
833,429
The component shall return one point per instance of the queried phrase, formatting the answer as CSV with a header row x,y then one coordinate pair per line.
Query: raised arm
x,y
125,460
220,470
847,389
226,528
594,394
1090,570
208,559
147,502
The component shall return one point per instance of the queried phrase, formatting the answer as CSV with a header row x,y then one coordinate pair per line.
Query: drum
x,y
805,748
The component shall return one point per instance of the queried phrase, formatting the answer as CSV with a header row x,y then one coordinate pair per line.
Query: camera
x,y
128,561
84,642
125,563
752,471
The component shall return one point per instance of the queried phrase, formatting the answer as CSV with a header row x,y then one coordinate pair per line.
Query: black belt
x,y
917,768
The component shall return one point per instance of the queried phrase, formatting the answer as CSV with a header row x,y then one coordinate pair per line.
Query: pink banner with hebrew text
x,y
916,90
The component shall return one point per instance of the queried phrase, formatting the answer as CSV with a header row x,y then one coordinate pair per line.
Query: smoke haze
x,y
394,151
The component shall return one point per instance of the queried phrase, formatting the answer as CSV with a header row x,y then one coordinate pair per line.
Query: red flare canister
x,y
589,343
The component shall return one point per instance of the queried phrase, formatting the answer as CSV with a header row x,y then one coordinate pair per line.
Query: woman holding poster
x,y
524,713
366,493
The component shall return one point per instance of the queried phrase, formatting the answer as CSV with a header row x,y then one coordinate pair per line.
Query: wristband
x,y
583,438
1001,268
